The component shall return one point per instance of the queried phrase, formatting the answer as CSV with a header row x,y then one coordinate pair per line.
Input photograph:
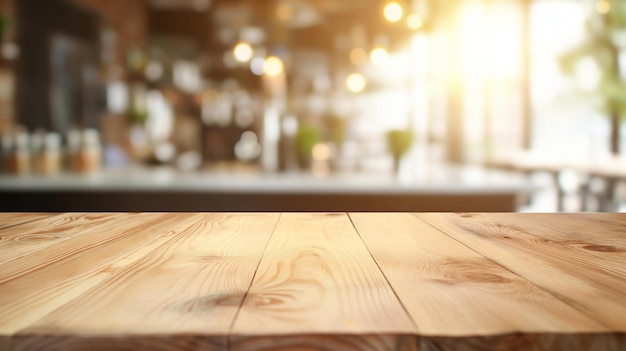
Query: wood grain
x,y
449,289
317,277
192,284
609,227
591,236
37,284
328,342
11,219
527,342
313,281
585,282
23,239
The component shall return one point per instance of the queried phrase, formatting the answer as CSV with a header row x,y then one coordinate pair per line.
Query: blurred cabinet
x,y
56,75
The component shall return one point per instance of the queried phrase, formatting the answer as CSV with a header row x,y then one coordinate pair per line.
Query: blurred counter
x,y
432,188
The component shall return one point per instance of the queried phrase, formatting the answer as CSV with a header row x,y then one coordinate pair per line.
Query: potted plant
x,y
399,142
305,139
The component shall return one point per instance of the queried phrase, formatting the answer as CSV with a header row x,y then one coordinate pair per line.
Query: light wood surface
x,y
8,219
33,235
312,281
317,277
544,257
446,286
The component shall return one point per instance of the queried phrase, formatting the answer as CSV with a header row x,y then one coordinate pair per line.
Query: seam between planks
x,y
550,292
406,311
245,295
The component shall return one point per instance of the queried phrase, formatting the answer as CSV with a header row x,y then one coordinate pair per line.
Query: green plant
x,y
305,139
606,26
4,24
137,117
399,141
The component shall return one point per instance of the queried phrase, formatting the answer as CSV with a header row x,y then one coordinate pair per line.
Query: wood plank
x,y
586,226
191,285
450,290
317,277
11,219
527,342
21,240
582,281
37,284
590,237
328,342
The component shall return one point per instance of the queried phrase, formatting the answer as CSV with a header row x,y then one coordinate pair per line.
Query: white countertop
x,y
424,180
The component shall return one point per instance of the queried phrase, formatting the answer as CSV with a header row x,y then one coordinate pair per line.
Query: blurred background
x,y
410,101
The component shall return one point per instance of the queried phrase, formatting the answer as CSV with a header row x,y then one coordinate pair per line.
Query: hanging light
x,y
393,11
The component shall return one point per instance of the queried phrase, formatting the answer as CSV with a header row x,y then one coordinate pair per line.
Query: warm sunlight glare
x,y
490,40
472,37
588,74
603,6
549,42
504,36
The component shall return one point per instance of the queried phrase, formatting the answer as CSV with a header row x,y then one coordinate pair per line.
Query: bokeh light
x,y
321,152
603,6
356,83
415,21
273,66
393,11
358,56
379,56
257,66
242,52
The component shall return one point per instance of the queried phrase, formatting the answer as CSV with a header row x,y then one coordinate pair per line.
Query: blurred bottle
x,y
16,150
90,154
72,150
84,151
46,153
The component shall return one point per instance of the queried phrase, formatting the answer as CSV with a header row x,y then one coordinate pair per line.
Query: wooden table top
x,y
312,281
